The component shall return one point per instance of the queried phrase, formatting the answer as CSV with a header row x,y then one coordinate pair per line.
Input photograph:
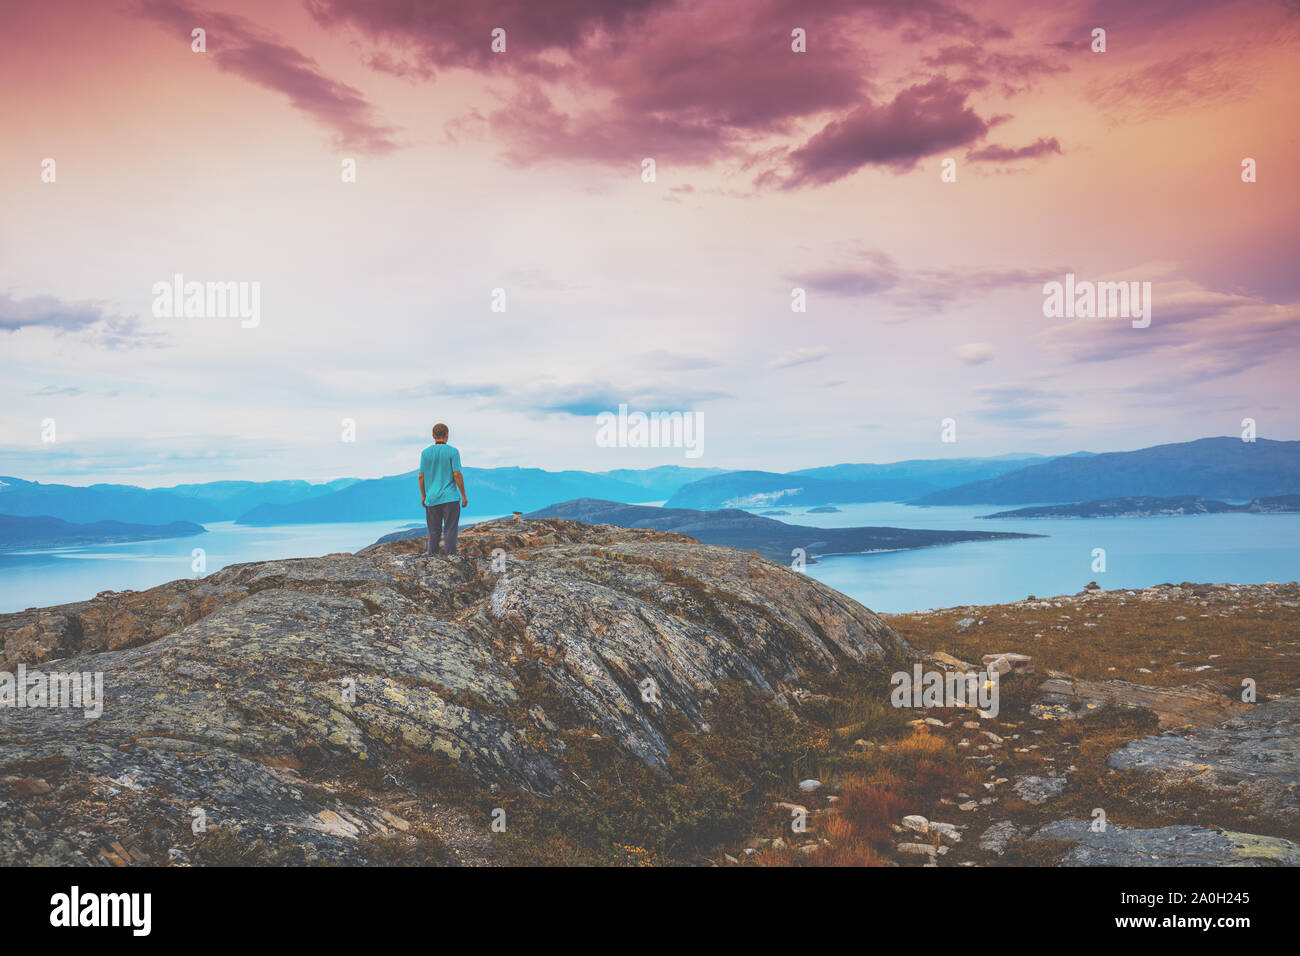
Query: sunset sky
x,y
522,171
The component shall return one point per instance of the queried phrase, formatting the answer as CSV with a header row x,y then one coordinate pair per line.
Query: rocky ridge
x,y
220,690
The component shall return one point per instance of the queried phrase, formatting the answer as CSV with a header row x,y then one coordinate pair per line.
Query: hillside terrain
x,y
625,696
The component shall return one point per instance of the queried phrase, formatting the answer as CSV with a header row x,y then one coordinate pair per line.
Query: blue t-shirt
x,y
437,462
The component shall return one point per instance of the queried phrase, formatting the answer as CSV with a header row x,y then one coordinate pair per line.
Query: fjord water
x,y
37,578
1237,548
1234,548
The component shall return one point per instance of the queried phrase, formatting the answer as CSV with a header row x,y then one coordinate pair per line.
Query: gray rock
x,y
923,850
996,837
1254,755
1194,705
1167,846
1038,790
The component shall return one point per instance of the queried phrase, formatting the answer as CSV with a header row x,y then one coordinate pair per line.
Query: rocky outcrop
x,y
1166,846
1063,697
216,689
1249,763
1253,756
111,620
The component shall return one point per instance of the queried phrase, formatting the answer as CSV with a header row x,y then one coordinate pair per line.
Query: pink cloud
x,y
238,46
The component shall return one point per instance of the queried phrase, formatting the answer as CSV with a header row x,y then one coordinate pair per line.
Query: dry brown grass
x,y
1252,634
866,810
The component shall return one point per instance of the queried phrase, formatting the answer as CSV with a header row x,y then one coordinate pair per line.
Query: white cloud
x,y
975,353
800,357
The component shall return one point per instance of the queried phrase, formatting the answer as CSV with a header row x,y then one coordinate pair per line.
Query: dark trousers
x,y
443,519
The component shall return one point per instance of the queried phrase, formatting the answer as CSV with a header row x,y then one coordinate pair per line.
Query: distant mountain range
x,y
1224,468
1212,468
939,471
841,484
765,489
1142,507
45,532
491,491
744,531
212,501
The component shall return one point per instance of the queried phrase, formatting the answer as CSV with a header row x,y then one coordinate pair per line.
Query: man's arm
x,y
421,488
460,483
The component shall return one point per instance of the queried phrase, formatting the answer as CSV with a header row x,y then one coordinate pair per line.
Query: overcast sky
x,y
522,171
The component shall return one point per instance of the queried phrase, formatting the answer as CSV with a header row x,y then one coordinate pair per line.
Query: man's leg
x,y
433,521
452,525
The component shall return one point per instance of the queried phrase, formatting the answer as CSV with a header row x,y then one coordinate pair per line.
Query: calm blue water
x,y
1244,549
41,578
1237,548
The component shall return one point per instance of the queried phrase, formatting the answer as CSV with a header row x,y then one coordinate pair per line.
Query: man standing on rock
x,y
440,479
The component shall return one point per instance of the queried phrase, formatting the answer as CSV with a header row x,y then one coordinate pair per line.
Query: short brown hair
x,y
440,431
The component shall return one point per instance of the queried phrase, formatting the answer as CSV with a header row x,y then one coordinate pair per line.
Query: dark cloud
x,y
1016,72
89,318
1188,80
449,33
688,82
1124,17
873,272
920,121
1006,154
916,20
238,46
48,312
1195,335
538,131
